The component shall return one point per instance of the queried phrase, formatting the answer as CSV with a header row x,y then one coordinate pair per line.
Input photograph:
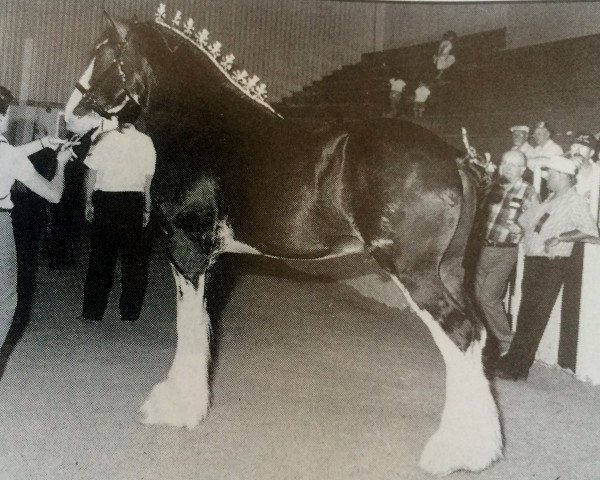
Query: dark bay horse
x,y
234,176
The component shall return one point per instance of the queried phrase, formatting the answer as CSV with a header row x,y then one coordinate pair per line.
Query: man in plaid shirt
x,y
507,198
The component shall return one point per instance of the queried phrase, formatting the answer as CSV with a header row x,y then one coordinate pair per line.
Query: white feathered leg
x,y
182,400
469,436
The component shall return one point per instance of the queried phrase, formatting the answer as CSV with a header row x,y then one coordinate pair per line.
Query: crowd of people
x,y
117,205
546,224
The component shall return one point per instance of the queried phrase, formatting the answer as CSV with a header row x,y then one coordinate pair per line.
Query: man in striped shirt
x,y
507,198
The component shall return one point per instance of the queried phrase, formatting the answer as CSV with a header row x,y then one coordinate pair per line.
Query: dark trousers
x,y
542,279
116,232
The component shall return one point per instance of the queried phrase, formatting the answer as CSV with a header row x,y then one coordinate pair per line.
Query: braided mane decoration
x,y
249,86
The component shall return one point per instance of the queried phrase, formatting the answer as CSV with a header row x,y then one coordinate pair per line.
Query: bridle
x,y
91,97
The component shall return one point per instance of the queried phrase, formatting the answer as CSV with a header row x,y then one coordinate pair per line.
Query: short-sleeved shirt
x,y
421,94
537,155
554,216
526,149
13,166
503,214
397,84
122,159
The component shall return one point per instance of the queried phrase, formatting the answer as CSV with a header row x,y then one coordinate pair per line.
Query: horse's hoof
x,y
169,405
443,455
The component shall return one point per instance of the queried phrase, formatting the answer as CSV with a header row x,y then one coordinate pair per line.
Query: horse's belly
x,y
343,245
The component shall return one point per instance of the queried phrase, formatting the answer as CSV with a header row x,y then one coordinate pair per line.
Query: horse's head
x,y
117,82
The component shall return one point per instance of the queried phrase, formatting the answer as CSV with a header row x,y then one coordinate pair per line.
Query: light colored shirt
x,y
122,159
540,153
397,84
552,217
526,148
421,94
13,166
444,59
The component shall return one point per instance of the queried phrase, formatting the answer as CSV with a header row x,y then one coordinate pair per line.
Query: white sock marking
x,y
469,436
182,400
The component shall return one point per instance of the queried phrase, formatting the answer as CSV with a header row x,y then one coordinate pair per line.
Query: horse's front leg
x,y
183,398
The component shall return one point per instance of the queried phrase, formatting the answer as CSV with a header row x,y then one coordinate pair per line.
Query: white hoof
x,y
168,404
444,454
469,436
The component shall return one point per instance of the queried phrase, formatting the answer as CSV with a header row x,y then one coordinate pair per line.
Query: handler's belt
x,y
489,243
5,210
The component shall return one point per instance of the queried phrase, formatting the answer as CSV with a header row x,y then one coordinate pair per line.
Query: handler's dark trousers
x,y
116,232
542,279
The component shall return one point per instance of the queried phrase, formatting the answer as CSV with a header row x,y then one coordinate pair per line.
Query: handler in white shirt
x,y
14,165
117,191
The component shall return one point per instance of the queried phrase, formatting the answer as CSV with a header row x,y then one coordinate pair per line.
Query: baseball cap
x,y
585,139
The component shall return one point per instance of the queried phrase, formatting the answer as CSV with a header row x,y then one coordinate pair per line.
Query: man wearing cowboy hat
x,y
550,230
520,137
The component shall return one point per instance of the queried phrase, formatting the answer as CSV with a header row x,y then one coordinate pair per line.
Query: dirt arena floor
x,y
311,381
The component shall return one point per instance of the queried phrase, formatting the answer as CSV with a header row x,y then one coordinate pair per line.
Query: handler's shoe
x,y
506,374
128,321
83,319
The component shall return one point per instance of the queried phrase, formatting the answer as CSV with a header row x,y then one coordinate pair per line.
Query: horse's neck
x,y
199,95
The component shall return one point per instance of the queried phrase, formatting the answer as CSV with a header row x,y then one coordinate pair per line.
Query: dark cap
x,y
586,140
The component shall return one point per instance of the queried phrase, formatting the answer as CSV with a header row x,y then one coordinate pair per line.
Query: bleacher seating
x,y
490,88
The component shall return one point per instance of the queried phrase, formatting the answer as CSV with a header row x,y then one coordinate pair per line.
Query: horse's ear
x,y
119,27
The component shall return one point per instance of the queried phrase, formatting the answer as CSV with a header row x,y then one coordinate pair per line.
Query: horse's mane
x,y
194,79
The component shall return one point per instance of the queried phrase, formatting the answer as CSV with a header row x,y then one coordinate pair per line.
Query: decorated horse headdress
x,y
251,86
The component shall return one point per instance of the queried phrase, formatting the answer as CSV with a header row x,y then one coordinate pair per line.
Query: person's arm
x,y
571,236
89,183
37,145
50,190
147,199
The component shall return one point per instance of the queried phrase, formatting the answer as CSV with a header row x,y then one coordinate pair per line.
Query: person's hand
x,y
64,156
551,242
89,211
51,142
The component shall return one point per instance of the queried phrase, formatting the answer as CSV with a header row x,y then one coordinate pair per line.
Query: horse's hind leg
x,y
469,436
183,398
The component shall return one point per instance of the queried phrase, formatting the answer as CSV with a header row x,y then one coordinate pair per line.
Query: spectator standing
x,y
544,148
550,228
520,139
582,153
396,88
15,166
507,198
443,58
117,202
421,95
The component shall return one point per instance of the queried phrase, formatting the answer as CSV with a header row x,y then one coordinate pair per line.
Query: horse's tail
x,y
457,256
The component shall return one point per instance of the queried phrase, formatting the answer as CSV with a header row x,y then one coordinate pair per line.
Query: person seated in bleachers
x,y
443,58
520,139
421,95
396,88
